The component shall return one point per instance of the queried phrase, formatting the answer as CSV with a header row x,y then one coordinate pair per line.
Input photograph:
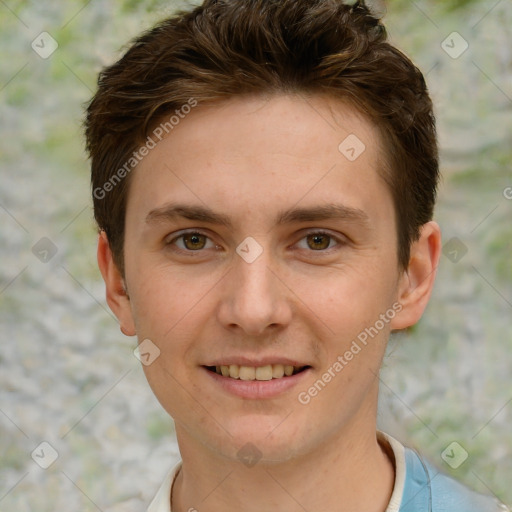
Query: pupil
x,y
320,241
195,240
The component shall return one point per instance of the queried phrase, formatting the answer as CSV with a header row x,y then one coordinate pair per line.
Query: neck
x,y
349,471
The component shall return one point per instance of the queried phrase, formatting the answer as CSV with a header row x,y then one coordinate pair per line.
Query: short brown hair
x,y
227,48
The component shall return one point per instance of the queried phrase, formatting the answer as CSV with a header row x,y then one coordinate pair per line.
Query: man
x,y
264,176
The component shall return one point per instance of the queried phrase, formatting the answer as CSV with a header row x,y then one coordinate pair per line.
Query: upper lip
x,y
262,361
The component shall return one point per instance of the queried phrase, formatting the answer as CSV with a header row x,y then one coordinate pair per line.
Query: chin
x,y
256,439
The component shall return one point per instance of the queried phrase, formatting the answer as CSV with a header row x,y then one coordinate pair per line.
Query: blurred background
x,y
68,377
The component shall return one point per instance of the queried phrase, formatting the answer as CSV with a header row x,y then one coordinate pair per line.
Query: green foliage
x,y
149,6
499,250
448,6
159,426
455,5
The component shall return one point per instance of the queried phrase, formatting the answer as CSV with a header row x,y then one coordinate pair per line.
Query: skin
x,y
304,298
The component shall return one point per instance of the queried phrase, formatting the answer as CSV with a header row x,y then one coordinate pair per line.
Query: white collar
x,y
400,470
162,500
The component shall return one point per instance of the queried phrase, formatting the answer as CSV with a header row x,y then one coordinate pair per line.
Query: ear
x,y
417,281
117,297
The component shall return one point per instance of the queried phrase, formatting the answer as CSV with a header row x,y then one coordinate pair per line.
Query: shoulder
x,y
441,492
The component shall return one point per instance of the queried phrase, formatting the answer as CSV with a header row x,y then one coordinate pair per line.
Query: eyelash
x,y
190,252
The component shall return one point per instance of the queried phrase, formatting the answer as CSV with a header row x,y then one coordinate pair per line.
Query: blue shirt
x,y
428,490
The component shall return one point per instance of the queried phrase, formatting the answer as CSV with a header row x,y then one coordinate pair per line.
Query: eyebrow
x,y
173,211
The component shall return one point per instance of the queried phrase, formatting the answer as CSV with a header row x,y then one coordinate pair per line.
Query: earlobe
x,y
418,279
116,294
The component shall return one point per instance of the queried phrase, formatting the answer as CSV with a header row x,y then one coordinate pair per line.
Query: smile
x,y
267,372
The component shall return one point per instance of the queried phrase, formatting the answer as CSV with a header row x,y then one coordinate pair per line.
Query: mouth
x,y
260,373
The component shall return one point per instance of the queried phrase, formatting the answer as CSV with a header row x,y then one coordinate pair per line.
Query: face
x,y
254,243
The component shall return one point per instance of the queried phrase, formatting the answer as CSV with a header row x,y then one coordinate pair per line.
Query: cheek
x,y
348,301
169,311
165,298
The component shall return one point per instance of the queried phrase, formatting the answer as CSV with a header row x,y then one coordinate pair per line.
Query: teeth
x,y
264,372
247,373
234,371
277,371
269,372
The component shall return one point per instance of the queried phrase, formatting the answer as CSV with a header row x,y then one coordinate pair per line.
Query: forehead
x,y
243,124
255,154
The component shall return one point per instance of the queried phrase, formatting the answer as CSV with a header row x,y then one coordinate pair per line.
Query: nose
x,y
255,299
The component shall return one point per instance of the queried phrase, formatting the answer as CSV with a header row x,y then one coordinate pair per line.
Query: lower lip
x,y
257,389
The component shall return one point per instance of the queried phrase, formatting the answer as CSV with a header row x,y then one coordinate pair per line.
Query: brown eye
x,y
191,243
194,241
318,241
